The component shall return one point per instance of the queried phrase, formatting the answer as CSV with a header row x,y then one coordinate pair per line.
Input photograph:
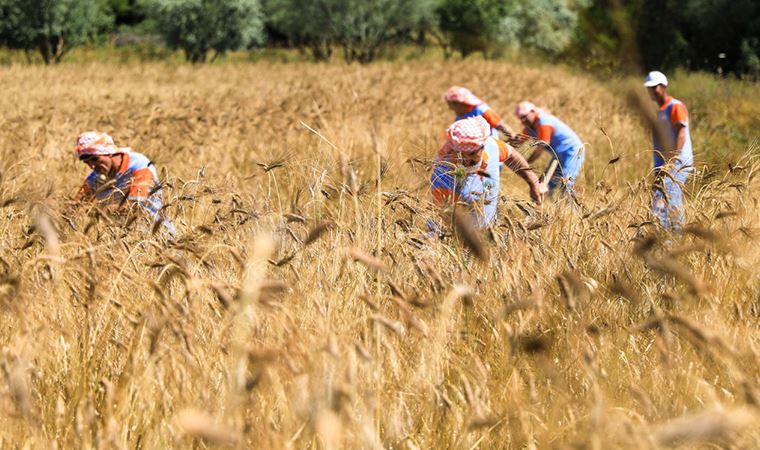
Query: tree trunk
x,y
444,44
348,54
195,56
320,51
59,50
45,52
448,51
367,55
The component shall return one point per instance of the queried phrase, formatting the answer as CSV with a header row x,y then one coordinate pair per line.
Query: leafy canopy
x,y
52,27
360,27
199,26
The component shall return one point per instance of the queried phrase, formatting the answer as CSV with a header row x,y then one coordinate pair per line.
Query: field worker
x,y
465,105
467,167
118,172
558,139
672,153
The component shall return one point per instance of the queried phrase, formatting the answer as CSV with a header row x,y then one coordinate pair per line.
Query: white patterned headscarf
x,y
96,143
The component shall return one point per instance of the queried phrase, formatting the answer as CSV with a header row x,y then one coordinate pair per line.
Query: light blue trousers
x,y
667,203
567,172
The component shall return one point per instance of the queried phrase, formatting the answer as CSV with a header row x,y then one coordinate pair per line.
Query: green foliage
x,y
364,26
546,26
715,27
707,35
469,26
662,41
52,27
749,60
606,36
599,40
360,27
199,26
305,25
126,12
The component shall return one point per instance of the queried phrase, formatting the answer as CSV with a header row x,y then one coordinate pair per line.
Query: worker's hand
x,y
538,192
515,140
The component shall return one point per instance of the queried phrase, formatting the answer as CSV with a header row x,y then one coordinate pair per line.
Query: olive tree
x,y
546,26
363,27
469,26
360,27
200,26
51,27
305,25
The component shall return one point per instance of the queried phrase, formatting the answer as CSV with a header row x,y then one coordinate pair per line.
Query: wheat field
x,y
302,305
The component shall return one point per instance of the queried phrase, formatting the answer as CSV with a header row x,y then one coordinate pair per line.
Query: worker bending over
x,y
466,169
556,138
465,105
120,177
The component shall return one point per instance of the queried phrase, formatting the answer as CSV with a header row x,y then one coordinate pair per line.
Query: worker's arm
x,y
505,129
680,139
520,166
90,187
83,193
545,133
498,123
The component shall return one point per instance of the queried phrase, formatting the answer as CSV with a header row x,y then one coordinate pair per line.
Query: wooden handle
x,y
549,173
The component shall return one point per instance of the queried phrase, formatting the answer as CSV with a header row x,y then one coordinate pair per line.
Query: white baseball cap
x,y
654,78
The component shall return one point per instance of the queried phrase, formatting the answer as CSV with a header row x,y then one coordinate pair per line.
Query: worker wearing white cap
x,y
672,153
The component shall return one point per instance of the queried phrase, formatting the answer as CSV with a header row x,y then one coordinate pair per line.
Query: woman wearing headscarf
x,y
466,169
465,104
119,176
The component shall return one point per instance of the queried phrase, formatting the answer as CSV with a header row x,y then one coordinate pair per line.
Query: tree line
x,y
721,35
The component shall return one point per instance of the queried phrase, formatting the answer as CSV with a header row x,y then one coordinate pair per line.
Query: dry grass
x,y
291,313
